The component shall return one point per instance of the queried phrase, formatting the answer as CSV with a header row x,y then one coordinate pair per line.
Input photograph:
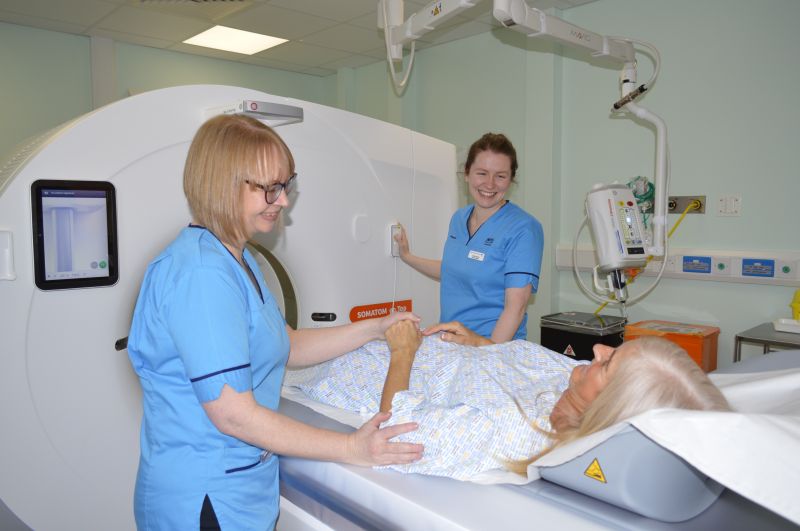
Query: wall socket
x,y
729,205
678,203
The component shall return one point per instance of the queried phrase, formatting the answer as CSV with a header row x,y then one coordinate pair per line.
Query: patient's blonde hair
x,y
226,151
655,373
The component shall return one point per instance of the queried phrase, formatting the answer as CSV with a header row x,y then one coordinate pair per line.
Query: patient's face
x,y
585,383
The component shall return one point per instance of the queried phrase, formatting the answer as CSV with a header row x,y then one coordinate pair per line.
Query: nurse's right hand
x,y
455,332
370,445
402,243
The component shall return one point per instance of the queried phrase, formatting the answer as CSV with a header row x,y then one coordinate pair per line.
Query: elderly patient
x,y
482,406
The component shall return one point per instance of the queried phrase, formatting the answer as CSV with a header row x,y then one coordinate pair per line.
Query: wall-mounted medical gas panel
x,y
780,268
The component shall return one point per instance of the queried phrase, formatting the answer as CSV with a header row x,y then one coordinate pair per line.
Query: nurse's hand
x,y
402,243
455,332
370,445
384,323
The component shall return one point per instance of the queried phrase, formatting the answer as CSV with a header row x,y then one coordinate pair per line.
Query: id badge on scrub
x,y
475,255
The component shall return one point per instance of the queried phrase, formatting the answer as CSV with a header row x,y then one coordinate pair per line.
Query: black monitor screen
x,y
74,234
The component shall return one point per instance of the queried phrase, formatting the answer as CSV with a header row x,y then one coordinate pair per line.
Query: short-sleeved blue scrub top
x,y
505,252
199,324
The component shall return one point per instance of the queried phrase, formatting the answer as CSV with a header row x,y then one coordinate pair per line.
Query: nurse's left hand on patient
x,y
370,445
455,332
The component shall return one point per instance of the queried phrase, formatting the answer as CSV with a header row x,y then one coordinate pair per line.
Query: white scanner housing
x,y
70,403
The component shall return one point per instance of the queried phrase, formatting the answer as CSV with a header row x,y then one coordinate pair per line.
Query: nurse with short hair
x,y
210,346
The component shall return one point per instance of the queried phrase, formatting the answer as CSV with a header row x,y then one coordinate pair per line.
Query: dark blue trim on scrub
x,y
521,273
248,467
246,365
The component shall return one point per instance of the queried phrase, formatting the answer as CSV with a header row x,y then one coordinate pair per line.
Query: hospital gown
x,y
463,399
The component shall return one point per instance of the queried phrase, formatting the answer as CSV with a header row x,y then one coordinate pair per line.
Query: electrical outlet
x,y
678,203
674,263
729,205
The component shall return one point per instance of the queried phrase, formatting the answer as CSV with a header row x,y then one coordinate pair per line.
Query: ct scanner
x,y
70,402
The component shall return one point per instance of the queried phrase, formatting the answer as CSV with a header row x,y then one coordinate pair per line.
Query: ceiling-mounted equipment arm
x,y
512,14
519,16
427,19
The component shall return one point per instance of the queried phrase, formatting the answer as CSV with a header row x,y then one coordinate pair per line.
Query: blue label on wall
x,y
758,267
697,264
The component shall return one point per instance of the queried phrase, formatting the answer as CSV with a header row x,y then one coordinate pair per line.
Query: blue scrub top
x,y
505,252
199,324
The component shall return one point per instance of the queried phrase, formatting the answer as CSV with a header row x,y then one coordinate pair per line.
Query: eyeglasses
x,y
273,191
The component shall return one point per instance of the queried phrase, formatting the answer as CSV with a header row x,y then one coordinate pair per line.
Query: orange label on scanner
x,y
373,311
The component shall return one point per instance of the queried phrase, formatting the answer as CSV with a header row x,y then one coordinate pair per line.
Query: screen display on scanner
x,y
75,238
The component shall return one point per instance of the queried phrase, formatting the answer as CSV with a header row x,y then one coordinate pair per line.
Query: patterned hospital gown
x,y
461,397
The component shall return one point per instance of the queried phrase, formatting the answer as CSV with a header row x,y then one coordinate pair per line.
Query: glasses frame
x,y
276,188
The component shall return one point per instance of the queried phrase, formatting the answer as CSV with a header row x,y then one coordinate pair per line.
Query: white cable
x,y
398,85
656,57
604,300
586,290
666,242
656,60
394,285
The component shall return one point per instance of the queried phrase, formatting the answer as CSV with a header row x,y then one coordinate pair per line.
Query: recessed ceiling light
x,y
234,40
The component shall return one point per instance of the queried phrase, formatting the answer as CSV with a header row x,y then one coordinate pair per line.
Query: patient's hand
x,y
384,323
404,339
455,332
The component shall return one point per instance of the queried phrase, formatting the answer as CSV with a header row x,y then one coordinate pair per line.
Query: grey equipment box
x,y
575,333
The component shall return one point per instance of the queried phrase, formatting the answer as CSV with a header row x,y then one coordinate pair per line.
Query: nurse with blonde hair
x,y
210,346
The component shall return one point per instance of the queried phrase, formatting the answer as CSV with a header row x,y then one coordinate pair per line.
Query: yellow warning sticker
x,y
595,472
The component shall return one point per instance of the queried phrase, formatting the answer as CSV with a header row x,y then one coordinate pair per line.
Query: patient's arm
x,y
404,339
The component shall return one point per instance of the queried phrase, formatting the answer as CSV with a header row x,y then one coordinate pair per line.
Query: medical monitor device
x,y
74,234
618,234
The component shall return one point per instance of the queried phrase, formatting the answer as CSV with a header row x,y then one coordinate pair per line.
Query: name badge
x,y
475,255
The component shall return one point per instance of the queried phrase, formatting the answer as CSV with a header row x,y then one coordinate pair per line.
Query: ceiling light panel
x,y
234,40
